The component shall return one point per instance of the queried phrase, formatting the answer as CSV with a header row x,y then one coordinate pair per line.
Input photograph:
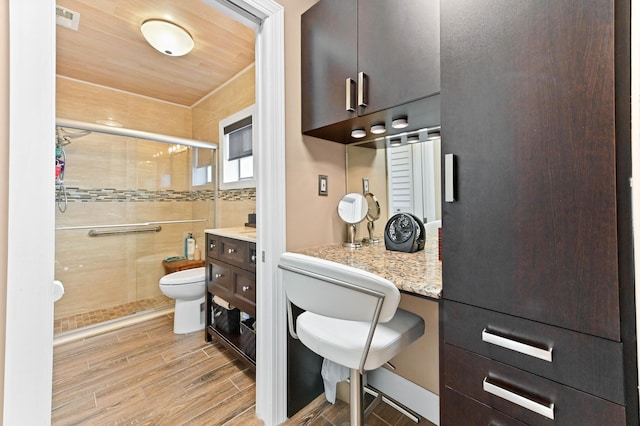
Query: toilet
x,y
187,288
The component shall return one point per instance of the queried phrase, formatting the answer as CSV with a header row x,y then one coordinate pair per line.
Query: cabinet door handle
x,y
545,354
219,276
212,246
253,258
363,89
449,175
350,95
245,288
231,251
536,407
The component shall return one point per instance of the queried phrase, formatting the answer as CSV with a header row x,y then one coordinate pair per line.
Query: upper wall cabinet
x,y
368,62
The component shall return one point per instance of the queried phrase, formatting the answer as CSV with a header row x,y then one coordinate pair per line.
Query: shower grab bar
x,y
94,233
124,225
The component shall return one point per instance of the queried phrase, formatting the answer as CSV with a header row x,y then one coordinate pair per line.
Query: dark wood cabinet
x,y
230,274
537,244
369,59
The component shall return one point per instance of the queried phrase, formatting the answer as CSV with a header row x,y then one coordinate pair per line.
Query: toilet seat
x,y
188,276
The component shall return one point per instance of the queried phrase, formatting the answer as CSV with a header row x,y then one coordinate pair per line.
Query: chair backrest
x,y
335,290
431,228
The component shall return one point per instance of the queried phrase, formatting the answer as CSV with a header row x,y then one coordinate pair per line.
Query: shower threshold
x,y
101,320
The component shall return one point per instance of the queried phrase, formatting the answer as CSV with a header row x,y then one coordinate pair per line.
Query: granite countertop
x,y
414,273
244,233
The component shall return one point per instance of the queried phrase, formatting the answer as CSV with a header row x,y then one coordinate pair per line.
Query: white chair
x,y
351,317
431,228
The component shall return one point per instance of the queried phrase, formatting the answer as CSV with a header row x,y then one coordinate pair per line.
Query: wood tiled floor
x,y
145,374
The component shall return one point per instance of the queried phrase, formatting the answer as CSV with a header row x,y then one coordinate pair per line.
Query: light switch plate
x,y
323,185
365,185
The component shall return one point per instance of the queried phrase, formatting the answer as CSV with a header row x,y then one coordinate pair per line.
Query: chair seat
x,y
342,341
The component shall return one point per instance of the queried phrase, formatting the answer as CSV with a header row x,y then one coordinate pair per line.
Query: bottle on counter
x,y
189,246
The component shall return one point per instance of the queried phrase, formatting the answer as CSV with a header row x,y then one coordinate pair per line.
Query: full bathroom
x,y
125,204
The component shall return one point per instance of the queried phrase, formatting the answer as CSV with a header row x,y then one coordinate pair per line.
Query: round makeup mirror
x,y
352,209
373,214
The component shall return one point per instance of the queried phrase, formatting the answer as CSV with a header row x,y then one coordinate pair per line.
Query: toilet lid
x,y
188,276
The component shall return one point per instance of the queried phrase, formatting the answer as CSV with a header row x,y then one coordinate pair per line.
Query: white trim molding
x,y
271,370
31,214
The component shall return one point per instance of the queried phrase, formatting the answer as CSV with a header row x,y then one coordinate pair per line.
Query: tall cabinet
x,y
538,318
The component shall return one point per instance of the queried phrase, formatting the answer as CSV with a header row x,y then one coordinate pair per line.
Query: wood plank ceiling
x,y
109,49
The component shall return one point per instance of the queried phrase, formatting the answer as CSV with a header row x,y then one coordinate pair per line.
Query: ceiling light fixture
x,y
167,37
400,123
377,129
358,133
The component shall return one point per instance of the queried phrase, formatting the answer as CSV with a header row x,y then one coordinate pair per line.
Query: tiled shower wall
x,y
112,179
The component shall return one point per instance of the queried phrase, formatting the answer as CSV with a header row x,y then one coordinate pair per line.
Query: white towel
x,y
332,373
221,302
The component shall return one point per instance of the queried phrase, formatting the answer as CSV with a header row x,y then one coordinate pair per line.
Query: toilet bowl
x,y
187,288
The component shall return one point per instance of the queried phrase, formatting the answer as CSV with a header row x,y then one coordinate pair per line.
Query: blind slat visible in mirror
x,y
400,179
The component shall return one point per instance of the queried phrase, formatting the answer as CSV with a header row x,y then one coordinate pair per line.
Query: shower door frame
x,y
28,325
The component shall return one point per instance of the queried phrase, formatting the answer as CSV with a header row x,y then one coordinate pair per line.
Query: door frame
x,y
31,217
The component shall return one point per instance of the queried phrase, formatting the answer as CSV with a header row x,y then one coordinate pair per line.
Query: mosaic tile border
x,y
238,194
112,195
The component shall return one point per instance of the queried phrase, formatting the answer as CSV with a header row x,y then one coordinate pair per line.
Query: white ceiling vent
x,y
67,18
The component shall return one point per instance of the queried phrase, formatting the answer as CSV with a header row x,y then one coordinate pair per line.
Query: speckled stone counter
x,y
415,273
243,233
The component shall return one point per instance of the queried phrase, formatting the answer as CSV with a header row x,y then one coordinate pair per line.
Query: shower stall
x,y
125,200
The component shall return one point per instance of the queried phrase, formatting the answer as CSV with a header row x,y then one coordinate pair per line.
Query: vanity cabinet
x,y
537,247
230,274
366,57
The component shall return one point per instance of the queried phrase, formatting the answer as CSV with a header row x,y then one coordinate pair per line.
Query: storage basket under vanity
x,y
248,338
227,320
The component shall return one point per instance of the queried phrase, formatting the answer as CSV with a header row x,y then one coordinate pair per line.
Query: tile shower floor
x,y
73,322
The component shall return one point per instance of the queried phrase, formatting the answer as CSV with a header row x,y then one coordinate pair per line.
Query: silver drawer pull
x,y
218,276
540,353
350,86
536,407
253,258
246,288
231,251
212,246
449,176
363,90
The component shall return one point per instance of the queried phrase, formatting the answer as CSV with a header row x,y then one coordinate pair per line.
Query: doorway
x,y
29,316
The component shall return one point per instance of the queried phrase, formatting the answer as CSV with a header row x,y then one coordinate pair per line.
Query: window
x,y
236,150
201,172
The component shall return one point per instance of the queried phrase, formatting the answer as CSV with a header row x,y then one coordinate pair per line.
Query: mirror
x,y
405,177
352,209
373,214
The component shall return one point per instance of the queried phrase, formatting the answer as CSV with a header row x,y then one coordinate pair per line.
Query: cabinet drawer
x,y
232,251
213,246
497,385
252,257
244,291
599,373
458,410
219,279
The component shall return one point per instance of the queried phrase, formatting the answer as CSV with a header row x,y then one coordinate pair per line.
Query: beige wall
x,y
4,166
312,220
237,94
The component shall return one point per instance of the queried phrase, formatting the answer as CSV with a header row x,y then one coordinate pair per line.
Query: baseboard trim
x,y
407,393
